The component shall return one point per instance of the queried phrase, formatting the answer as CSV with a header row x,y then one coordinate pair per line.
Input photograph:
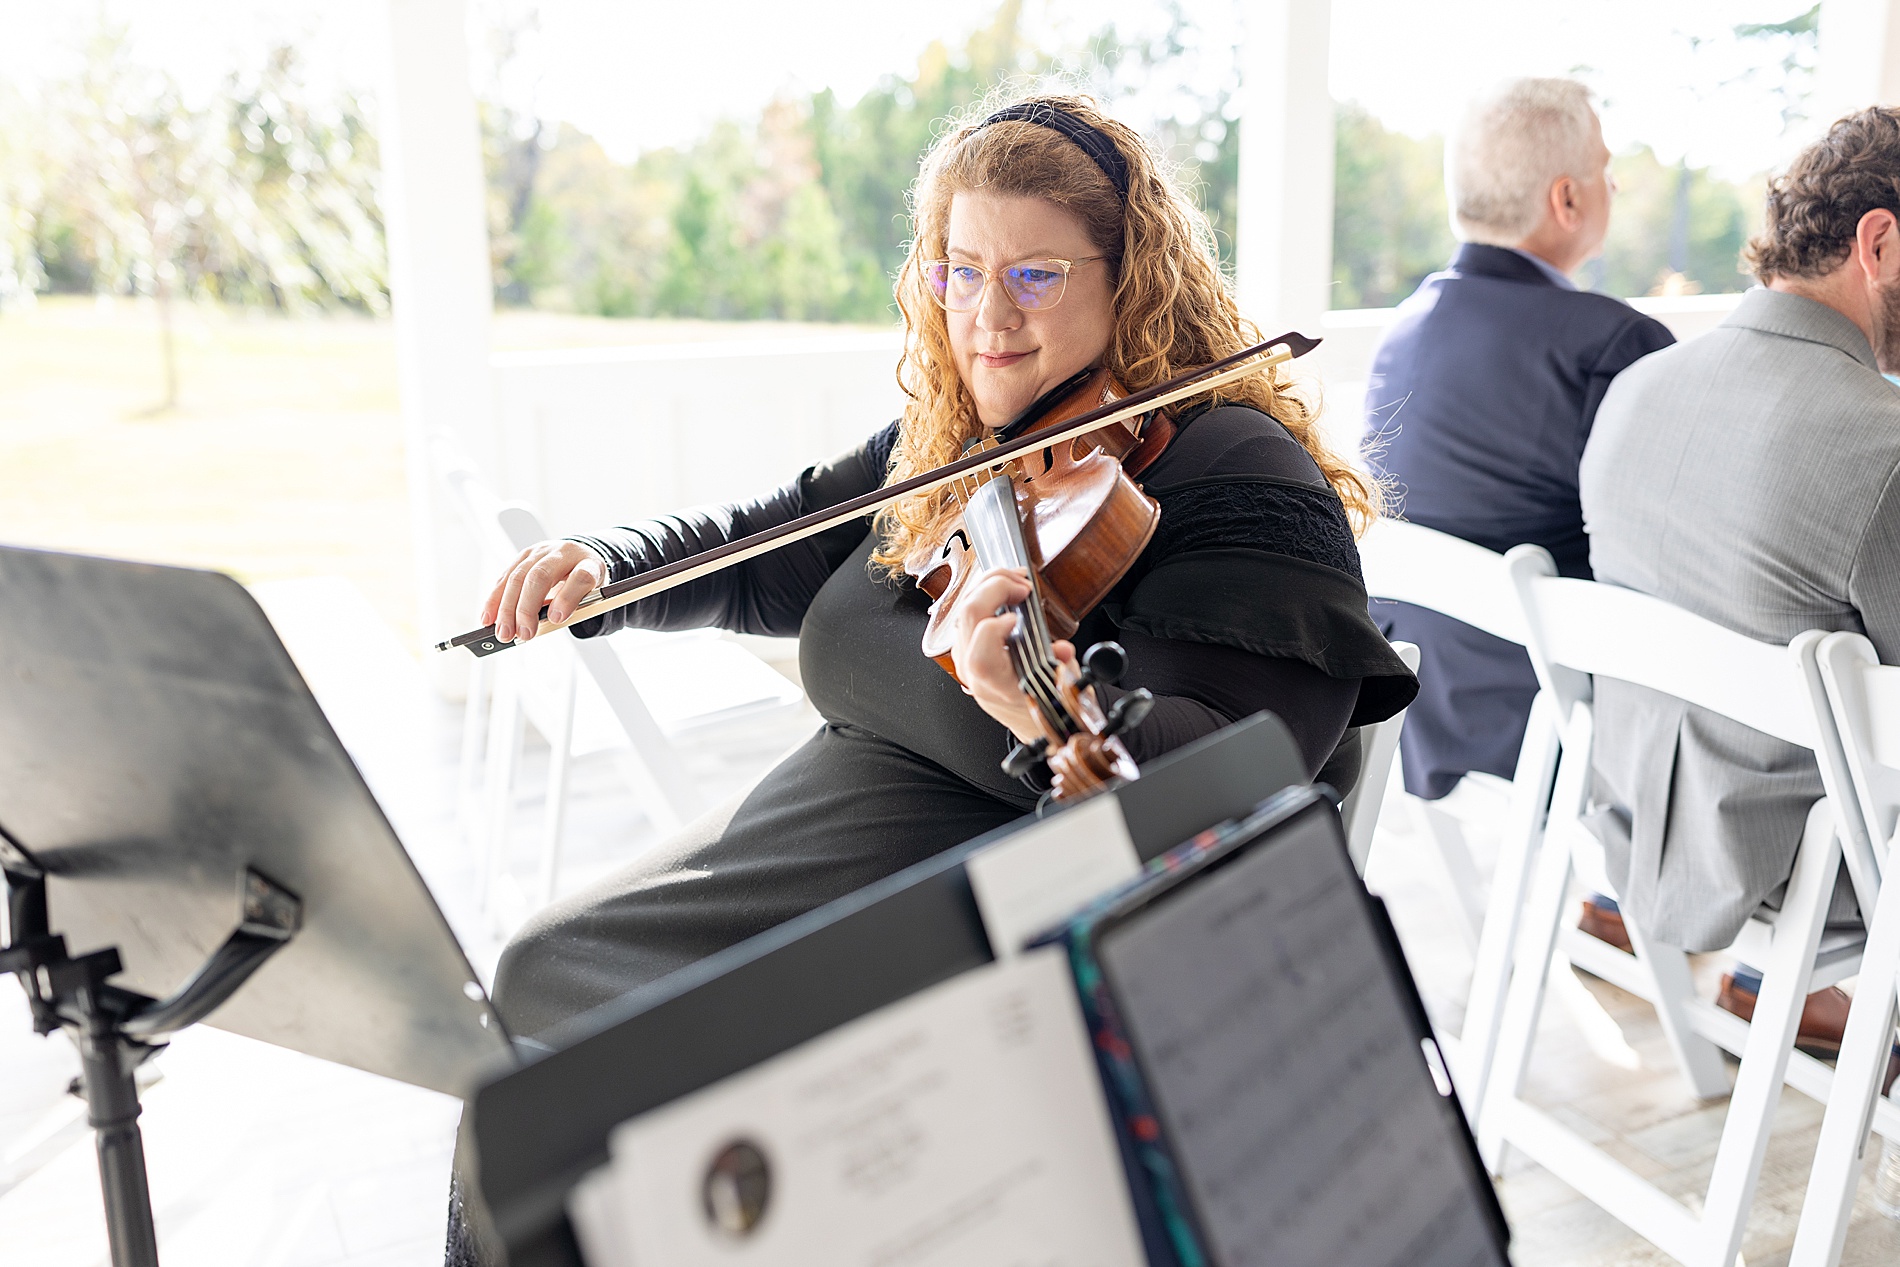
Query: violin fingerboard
x,y
994,530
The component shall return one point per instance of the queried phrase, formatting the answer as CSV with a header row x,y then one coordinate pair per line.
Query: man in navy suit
x,y
1482,395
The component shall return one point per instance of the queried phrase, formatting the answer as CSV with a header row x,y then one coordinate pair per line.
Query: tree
x,y
1798,40
263,198
1674,229
136,167
303,228
21,194
1390,225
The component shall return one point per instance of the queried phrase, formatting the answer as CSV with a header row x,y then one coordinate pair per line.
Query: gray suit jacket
x,y
1748,476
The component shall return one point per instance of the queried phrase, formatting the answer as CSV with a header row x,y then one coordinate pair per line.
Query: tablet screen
x,y
1285,1064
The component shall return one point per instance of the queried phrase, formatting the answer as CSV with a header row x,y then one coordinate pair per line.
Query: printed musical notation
x,y
1286,1071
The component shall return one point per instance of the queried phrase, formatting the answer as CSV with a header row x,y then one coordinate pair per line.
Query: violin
x,y
1086,521
1073,519
1070,518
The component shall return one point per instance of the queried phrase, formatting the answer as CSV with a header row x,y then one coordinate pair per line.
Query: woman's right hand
x,y
556,573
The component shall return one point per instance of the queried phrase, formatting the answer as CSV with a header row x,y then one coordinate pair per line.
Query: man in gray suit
x,y
1752,476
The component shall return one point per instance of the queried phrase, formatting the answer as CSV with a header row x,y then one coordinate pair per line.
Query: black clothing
x,y
1481,398
1248,598
747,866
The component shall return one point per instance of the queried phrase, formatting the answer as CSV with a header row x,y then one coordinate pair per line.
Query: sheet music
x,y
1286,1070
1031,880
962,1125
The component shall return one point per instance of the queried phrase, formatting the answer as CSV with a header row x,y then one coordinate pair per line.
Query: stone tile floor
x,y
261,1157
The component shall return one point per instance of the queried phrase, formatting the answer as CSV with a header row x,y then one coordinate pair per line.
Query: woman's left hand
x,y
981,653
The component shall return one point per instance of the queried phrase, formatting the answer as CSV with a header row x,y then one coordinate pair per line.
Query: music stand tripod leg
x,y
107,1061
117,1030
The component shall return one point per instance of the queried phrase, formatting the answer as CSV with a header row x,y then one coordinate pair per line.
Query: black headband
x,y
1093,143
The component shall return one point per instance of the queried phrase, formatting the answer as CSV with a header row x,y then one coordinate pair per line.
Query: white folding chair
x,y
1359,812
1575,631
637,693
1864,697
1413,564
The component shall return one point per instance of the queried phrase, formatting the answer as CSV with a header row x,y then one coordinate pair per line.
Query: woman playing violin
x,y
1049,240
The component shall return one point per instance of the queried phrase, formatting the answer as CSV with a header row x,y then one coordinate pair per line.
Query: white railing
x,y
601,436
1352,334
604,435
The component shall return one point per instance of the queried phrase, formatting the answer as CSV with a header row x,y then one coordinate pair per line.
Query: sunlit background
x,y
195,361
304,291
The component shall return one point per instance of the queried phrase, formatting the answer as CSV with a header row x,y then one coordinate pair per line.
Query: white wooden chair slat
x,y
1881,714
1413,564
1865,700
1578,629
1619,633
581,696
1360,810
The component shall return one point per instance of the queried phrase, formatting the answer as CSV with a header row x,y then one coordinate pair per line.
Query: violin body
x,y
1085,520
1072,517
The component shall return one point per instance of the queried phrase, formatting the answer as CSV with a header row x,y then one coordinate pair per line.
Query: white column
x,y
1285,237
1859,59
441,290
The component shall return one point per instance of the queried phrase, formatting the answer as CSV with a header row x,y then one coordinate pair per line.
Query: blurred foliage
x,y
113,182
1675,229
1390,227
21,181
1790,77
801,213
264,197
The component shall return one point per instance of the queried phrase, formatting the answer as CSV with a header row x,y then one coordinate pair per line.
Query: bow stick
x,y
1277,351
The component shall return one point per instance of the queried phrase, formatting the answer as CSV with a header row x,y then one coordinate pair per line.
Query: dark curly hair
x,y
1815,207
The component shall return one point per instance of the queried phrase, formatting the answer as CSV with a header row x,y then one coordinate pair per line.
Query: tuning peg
x,y
1127,712
1023,758
1103,664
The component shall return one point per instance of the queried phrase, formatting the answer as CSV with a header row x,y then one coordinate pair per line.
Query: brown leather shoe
x,y
1605,925
1823,1016
1823,1021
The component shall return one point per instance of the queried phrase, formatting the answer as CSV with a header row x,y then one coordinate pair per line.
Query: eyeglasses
x,y
959,286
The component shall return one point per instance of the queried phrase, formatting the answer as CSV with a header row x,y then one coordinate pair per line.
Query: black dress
x,y
1249,597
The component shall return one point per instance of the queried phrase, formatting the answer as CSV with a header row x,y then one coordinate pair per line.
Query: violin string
x,y
1040,687
1042,664
1039,669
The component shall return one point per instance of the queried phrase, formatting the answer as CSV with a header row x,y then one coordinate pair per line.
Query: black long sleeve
x,y
1247,599
1201,687
767,595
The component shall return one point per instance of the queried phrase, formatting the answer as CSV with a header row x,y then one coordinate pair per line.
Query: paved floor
x,y
263,1158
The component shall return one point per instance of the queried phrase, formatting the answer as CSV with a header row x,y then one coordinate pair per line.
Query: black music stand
x,y
539,1129
173,803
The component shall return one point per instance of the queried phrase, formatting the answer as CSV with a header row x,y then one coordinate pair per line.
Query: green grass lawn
x,y
284,457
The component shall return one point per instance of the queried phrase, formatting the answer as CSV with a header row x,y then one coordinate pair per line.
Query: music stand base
x,y
117,1030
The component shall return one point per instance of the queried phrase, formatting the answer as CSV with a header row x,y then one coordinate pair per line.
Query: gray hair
x,y
1509,149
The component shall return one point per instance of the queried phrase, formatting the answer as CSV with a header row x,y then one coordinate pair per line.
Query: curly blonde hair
x,y
1174,309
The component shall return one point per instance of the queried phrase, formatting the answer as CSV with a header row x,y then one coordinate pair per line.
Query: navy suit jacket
x,y
1480,401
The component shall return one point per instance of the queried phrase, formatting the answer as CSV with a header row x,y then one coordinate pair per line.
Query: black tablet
x,y
1280,1042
